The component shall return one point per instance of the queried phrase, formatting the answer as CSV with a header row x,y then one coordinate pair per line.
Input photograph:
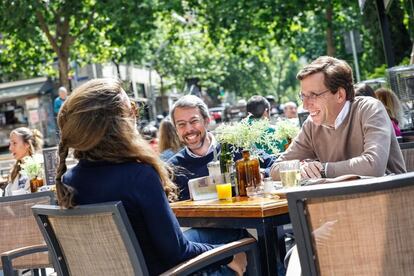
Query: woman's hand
x,y
239,263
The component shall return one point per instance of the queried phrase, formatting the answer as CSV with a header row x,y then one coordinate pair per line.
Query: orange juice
x,y
224,191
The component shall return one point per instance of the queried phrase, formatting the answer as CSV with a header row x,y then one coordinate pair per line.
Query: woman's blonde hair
x,y
391,103
97,123
168,137
33,138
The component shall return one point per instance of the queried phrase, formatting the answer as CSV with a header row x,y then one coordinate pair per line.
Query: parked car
x,y
217,113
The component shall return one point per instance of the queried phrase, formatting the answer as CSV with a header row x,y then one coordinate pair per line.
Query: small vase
x,y
35,183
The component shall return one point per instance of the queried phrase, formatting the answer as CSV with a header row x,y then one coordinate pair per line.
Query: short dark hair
x,y
363,89
257,105
337,74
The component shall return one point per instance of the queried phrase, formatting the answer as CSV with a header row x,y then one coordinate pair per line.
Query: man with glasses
x,y
190,117
343,134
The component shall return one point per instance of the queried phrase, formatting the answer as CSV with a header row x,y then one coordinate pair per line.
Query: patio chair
x,y
363,227
407,150
98,239
22,245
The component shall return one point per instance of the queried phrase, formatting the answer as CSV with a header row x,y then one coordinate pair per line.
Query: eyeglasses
x,y
194,122
312,95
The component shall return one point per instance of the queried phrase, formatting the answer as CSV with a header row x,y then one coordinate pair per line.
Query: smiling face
x,y
192,129
324,108
18,148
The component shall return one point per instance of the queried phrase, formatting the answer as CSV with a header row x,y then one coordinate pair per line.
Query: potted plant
x,y
286,130
32,167
247,134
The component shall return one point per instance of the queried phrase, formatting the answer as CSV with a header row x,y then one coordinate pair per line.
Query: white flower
x,y
247,134
31,167
286,130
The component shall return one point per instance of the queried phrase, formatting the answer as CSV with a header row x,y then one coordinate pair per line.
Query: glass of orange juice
x,y
224,191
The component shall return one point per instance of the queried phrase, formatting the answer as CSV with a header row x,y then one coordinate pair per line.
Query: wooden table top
x,y
238,207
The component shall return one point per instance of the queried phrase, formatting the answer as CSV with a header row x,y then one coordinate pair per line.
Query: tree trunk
x,y
330,46
412,55
64,70
118,71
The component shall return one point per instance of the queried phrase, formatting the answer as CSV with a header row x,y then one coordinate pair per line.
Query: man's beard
x,y
196,146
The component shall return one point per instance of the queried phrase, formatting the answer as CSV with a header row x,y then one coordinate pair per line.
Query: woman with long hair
x,y
393,106
23,142
98,122
168,141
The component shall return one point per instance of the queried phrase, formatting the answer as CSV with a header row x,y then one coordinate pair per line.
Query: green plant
x,y
247,134
286,130
31,167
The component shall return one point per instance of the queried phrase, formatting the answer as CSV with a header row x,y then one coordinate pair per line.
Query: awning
x,y
12,90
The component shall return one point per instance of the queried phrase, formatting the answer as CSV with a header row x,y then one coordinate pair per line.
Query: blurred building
x,y
27,103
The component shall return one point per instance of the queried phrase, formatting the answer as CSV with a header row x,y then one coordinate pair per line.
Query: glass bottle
x,y
35,183
248,172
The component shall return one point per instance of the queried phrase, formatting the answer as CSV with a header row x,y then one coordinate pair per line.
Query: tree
x,y
79,30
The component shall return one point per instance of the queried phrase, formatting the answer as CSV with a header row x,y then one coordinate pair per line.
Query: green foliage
x,y
246,134
379,72
244,46
286,130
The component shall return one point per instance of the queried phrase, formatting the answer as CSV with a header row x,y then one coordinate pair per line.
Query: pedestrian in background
x,y
63,93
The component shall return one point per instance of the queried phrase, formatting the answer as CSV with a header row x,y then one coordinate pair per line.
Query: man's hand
x,y
239,263
311,169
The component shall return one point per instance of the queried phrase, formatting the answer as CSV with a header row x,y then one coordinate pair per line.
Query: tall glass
x,y
290,173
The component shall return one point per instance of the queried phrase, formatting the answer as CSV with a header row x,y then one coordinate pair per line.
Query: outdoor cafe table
x,y
263,214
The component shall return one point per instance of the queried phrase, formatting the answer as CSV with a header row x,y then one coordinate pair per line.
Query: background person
x,y
393,106
343,134
290,110
63,93
23,142
258,108
117,164
150,133
363,89
168,141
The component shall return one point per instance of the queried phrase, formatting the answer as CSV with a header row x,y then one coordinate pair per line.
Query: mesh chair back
x,y
18,228
408,155
91,241
356,230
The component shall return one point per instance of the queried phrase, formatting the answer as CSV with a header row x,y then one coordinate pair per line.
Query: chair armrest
x,y
212,256
7,257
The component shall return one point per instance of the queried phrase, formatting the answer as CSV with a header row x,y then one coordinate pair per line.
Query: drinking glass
x,y
224,191
290,173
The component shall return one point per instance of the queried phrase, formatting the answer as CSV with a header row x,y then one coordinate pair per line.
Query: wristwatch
x,y
323,172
